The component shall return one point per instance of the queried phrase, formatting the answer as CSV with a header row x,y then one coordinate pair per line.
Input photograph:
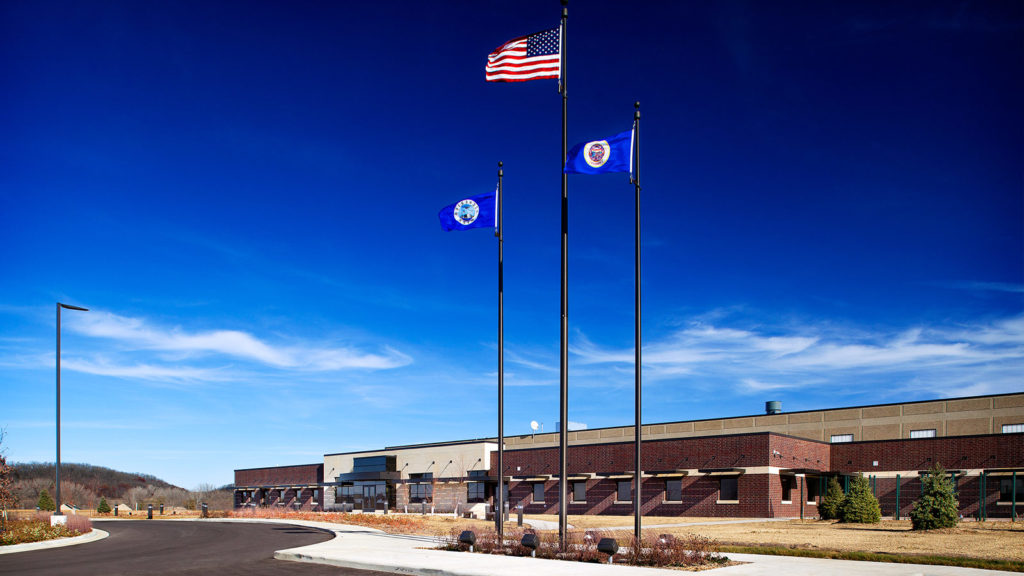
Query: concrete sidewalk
x,y
370,549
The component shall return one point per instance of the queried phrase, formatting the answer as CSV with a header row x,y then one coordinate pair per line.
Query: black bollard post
x,y
161,509
519,522
115,510
206,513
150,511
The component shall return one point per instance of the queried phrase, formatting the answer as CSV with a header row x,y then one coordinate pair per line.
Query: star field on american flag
x,y
532,57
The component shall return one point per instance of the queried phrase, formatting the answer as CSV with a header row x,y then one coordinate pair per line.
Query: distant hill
x,y
103,481
84,484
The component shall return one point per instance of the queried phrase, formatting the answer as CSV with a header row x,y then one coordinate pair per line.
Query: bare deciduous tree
x,y
7,498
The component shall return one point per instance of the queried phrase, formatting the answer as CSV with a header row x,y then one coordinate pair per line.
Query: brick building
x,y
767,465
297,487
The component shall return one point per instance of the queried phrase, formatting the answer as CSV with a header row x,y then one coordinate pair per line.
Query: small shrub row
x,y
37,528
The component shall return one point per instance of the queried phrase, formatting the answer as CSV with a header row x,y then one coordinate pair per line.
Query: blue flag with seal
x,y
473,212
613,154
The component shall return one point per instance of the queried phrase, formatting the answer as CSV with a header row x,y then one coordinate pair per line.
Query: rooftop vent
x,y
773,407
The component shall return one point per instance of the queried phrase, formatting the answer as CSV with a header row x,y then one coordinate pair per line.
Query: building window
x,y
346,494
624,492
1006,489
538,493
813,488
420,492
674,490
836,438
787,488
579,491
421,489
1011,428
728,489
929,433
476,491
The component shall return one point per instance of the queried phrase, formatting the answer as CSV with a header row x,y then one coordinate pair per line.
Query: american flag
x,y
526,58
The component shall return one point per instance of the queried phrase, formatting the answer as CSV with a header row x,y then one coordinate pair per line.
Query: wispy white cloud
x,y
138,349
986,287
104,367
137,334
983,358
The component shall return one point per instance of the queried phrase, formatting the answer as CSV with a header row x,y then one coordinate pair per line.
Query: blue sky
x,y
245,195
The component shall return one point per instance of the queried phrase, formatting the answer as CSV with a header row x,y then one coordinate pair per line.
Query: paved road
x,y
154,547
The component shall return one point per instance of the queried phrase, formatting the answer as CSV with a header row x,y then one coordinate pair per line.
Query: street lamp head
x,y
71,307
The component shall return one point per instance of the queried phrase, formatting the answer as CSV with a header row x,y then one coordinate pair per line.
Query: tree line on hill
x,y
84,486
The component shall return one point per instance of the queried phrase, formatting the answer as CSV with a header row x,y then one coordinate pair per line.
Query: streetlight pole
x,y
69,307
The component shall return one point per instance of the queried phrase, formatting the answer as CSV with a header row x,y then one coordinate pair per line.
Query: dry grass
x,y
982,540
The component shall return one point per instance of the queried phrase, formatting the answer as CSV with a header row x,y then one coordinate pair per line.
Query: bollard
x,y
206,513
150,512
423,508
115,510
519,522
161,509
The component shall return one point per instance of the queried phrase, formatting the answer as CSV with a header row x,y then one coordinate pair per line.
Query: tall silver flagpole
x,y
638,479
563,411
499,513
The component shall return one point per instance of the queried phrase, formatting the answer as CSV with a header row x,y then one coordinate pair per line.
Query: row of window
x,y
728,490
927,433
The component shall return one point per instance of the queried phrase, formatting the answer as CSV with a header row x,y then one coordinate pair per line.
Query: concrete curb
x,y
93,536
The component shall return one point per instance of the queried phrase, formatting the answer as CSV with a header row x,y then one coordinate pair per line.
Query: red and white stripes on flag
x,y
530,57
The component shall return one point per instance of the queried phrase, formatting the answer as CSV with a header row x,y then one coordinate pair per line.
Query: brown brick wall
x,y
280,475
953,453
742,450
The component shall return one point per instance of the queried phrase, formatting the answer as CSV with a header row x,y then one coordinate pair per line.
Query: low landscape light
x,y
608,546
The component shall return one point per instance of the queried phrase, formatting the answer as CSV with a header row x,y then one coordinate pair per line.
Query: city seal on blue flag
x,y
614,154
466,211
474,212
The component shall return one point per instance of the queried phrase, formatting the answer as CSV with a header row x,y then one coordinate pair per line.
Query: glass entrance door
x,y
369,498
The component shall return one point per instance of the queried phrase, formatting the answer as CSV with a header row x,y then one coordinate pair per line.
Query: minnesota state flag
x,y
613,154
473,212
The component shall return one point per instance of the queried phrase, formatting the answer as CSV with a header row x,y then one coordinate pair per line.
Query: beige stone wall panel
x,y
881,411
924,408
969,404
968,426
839,415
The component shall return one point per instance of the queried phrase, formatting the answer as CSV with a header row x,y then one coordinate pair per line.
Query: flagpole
x,y
499,516
563,411
637,498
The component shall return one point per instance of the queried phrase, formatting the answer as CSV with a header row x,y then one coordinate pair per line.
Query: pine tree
x,y
832,503
860,506
45,502
103,508
937,507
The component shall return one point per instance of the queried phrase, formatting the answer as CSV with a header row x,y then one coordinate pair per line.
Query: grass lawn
x,y
992,540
